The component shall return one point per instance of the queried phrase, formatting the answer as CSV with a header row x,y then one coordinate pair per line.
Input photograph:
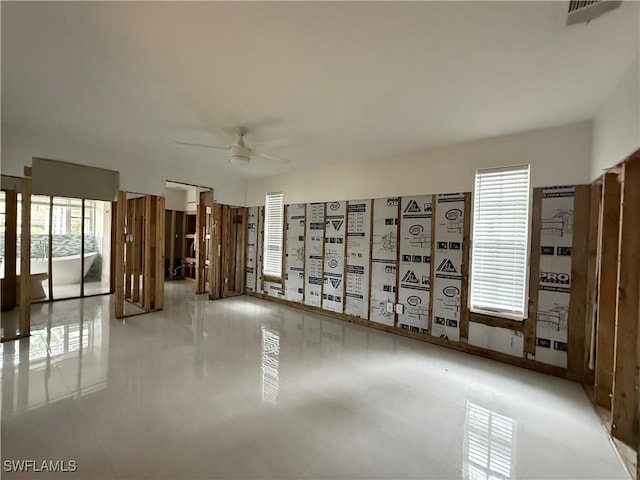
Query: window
x,y
273,226
500,242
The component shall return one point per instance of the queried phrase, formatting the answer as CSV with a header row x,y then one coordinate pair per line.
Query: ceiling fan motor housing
x,y
240,154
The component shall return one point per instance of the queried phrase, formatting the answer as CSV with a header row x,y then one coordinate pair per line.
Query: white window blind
x,y
273,226
500,242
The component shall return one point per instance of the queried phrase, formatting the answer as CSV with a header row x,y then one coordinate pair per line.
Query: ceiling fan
x,y
240,154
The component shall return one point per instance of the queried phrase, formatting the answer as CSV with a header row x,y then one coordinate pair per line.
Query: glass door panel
x,y
40,219
97,246
66,232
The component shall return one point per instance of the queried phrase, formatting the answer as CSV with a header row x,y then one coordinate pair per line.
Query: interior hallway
x,y
243,388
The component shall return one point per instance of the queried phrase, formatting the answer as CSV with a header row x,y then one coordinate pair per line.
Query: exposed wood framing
x,y
579,271
464,294
172,242
146,263
609,230
397,284
530,323
81,250
625,393
119,260
324,232
114,222
432,266
25,261
497,322
129,249
201,250
215,260
224,242
373,203
50,251
589,333
160,253
137,246
242,245
9,291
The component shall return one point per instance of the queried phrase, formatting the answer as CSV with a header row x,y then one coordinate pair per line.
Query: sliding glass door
x,y
97,246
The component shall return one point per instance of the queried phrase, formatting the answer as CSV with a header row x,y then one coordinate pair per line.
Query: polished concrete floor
x,y
243,388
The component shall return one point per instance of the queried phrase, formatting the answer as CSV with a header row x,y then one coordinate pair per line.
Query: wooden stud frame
x,y
609,229
531,322
432,266
579,271
464,294
119,228
625,393
25,261
589,350
9,292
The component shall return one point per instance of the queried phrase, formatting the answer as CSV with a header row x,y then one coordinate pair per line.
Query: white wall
x,y
138,173
558,156
616,129
176,199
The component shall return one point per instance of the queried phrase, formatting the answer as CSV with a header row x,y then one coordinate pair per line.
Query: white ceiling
x,y
342,81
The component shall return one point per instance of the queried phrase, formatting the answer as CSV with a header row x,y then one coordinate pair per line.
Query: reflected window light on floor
x,y
489,444
270,365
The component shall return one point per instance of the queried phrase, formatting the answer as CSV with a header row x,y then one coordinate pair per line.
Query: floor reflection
x,y
75,348
489,445
270,365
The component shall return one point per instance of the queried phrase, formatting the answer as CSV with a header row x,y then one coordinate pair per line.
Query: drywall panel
x,y
554,287
496,339
272,289
314,259
415,262
384,259
252,248
358,247
294,256
333,275
63,179
447,285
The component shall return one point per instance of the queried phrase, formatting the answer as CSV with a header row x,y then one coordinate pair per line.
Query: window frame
x,y
269,276
527,254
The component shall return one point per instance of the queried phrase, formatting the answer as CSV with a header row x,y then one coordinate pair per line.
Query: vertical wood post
x,y
464,294
25,260
530,323
578,300
118,228
625,393
609,229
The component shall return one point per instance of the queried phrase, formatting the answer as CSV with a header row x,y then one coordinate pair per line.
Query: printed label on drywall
x,y
447,283
252,238
272,289
314,260
334,233
384,259
554,286
356,300
415,262
294,256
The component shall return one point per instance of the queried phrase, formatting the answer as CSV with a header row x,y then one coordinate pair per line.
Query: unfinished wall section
x,y
401,264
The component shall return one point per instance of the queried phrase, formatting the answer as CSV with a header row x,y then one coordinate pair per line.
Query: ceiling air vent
x,y
583,11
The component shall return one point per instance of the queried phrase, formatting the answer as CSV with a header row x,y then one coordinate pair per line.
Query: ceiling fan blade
x,y
275,143
272,158
189,144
